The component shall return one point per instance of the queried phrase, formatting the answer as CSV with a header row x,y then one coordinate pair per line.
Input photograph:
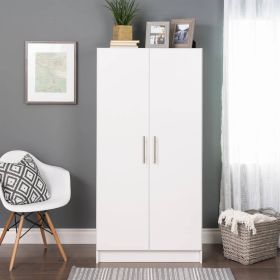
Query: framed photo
x,y
50,72
182,33
157,34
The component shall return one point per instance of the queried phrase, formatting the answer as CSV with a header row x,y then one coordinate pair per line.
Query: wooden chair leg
x,y
5,229
16,243
40,222
60,248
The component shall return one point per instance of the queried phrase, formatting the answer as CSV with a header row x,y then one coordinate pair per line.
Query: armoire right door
x,y
176,149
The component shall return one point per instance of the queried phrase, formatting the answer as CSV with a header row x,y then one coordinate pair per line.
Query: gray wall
x,y
65,135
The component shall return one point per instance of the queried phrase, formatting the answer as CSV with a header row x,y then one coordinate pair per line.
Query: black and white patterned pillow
x,y
22,182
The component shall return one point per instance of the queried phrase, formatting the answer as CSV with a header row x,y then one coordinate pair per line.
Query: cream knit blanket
x,y
232,218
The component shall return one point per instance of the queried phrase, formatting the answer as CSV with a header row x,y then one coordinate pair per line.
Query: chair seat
x,y
52,203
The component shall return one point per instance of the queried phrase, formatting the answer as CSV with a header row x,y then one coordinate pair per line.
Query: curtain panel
x,y
250,138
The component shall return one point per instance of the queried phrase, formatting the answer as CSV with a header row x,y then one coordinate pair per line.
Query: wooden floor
x,y
33,262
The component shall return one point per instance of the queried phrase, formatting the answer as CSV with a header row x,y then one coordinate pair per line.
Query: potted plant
x,y
123,12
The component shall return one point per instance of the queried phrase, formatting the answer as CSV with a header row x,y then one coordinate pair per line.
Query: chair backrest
x,y
14,156
52,175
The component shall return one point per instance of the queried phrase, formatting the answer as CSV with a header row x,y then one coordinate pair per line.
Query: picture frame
x,y
182,31
157,34
50,72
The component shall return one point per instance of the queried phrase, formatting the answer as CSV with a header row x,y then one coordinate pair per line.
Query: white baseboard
x,y
211,236
88,236
66,235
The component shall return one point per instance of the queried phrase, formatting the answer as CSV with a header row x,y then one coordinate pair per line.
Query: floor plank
x,y
33,262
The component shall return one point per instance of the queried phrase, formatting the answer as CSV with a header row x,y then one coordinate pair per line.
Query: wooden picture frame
x,y
50,72
182,31
157,34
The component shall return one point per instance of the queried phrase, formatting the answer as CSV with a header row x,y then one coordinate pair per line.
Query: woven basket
x,y
247,248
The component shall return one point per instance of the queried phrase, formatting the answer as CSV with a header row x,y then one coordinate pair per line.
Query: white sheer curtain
x,y
251,105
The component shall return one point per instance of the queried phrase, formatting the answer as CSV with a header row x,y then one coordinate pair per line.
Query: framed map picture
x,y
50,72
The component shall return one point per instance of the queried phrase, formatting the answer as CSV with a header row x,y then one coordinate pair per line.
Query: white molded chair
x,y
59,186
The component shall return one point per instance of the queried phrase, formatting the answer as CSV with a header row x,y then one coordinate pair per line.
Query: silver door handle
x,y
144,149
155,149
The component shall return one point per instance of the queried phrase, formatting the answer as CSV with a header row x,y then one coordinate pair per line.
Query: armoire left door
x,y
122,151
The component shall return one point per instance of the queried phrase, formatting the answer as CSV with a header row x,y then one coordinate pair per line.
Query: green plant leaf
x,y
123,11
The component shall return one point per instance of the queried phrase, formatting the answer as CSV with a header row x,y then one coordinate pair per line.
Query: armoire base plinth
x,y
148,256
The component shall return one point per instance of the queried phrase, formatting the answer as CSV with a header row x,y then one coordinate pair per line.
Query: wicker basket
x,y
247,248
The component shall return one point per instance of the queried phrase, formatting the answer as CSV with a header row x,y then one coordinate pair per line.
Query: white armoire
x,y
149,155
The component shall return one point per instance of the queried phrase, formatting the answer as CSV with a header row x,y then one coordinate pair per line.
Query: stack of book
x,y
124,44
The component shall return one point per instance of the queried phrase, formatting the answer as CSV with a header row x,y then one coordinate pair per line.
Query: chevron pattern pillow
x,y
22,182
